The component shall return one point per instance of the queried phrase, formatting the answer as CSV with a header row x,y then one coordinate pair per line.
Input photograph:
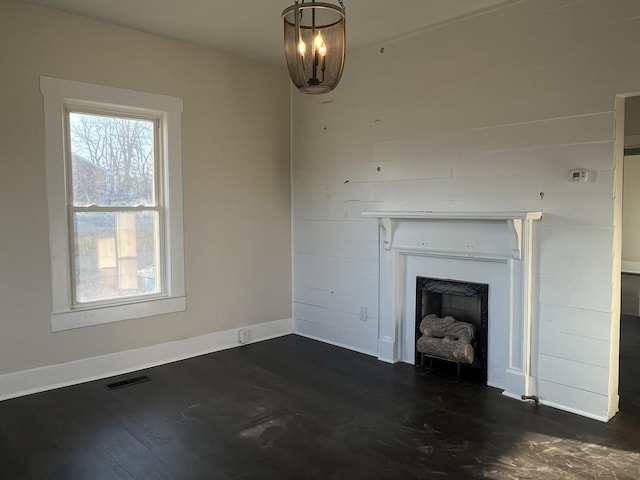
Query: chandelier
x,y
314,44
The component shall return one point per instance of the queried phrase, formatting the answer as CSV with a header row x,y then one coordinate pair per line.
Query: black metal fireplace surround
x,y
466,301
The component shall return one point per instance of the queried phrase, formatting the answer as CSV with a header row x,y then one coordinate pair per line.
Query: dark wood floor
x,y
293,408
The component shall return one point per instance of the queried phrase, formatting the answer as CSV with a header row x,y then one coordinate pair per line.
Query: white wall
x,y
235,141
485,113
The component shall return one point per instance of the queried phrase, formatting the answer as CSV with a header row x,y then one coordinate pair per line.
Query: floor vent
x,y
127,382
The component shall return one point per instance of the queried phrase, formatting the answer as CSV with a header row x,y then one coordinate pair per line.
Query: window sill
x,y
116,313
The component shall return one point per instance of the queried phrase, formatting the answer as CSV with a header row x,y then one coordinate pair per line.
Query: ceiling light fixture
x,y
314,44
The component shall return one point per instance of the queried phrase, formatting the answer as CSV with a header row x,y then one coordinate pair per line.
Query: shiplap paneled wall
x,y
485,113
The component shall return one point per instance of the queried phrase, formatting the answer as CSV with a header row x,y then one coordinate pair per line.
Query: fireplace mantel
x,y
491,247
514,222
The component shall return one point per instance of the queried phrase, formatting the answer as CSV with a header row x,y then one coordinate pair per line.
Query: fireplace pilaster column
x,y
391,291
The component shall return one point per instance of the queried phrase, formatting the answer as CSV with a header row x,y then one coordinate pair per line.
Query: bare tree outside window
x,y
122,148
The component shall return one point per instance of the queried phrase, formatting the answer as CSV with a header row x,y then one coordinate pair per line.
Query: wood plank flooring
x,y
293,408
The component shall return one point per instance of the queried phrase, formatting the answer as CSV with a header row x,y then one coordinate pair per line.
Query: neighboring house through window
x,y
114,191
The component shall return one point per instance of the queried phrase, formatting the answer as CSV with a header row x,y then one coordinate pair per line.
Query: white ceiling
x,y
253,28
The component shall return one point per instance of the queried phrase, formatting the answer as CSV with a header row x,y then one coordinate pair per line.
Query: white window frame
x,y
58,94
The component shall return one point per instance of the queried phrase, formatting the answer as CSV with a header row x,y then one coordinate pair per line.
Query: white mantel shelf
x,y
431,215
514,222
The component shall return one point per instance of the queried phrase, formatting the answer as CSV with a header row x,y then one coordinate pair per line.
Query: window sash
x,y
97,208
70,107
159,263
157,205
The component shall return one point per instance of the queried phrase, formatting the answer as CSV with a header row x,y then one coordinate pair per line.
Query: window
x,y
115,203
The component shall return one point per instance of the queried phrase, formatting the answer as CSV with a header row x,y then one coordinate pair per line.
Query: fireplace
x,y
494,249
467,302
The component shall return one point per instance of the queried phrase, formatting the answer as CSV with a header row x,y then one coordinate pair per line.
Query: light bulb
x,y
318,42
302,48
321,49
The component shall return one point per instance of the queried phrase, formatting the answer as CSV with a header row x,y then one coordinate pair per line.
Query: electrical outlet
x,y
243,336
363,314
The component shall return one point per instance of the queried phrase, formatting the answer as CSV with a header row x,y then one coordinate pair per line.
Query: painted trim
x,y
514,382
515,221
454,254
616,267
600,418
57,94
453,215
17,384
526,255
511,395
387,350
116,313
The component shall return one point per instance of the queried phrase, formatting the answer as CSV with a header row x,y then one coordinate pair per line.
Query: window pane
x,y
112,160
116,255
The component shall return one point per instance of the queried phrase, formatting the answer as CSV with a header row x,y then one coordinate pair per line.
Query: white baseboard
x,y
512,395
559,407
601,418
387,350
39,379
